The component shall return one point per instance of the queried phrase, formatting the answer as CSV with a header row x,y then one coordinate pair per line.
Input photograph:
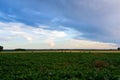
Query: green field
x,y
59,66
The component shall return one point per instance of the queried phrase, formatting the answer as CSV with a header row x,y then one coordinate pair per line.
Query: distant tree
x,y
1,48
20,49
119,48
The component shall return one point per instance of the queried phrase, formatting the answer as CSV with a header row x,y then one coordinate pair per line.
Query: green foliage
x,y
59,66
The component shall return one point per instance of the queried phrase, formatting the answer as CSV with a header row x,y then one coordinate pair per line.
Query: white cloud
x,y
50,42
14,33
30,33
85,44
93,44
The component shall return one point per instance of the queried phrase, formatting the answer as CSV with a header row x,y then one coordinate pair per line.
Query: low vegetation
x,y
59,66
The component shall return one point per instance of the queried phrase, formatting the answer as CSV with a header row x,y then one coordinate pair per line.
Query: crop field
x,y
59,66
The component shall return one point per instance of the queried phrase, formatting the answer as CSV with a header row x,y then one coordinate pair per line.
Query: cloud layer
x,y
51,23
25,36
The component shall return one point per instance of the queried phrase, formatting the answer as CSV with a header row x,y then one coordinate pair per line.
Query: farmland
x,y
59,66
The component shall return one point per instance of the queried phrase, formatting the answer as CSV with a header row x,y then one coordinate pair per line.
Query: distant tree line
x,y
20,49
118,48
1,48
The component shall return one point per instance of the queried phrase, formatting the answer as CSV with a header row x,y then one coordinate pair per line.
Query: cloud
x,y
53,22
15,31
50,42
98,20
21,34
93,44
85,44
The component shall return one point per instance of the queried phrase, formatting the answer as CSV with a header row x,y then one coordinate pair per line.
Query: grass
x,y
59,66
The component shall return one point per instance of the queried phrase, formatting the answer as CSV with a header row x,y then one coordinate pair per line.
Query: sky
x,y
60,24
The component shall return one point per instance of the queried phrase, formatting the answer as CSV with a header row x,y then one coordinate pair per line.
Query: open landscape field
x,y
59,40
59,66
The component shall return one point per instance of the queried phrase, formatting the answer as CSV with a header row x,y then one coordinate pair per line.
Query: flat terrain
x,y
59,66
